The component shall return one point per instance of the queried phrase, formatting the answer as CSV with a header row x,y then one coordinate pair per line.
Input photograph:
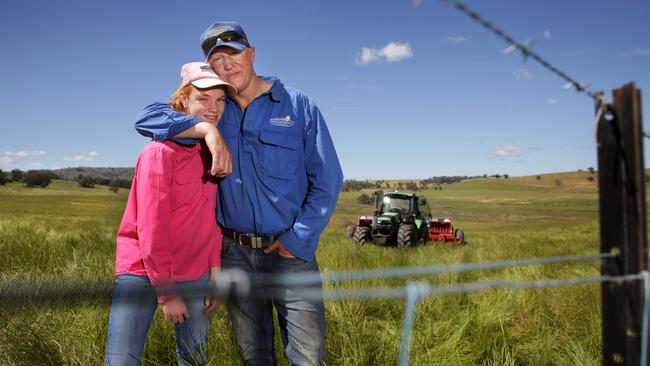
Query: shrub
x,y
364,199
17,175
3,178
411,186
37,178
114,186
86,181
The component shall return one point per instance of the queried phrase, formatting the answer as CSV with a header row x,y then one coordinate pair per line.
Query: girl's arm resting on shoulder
x,y
160,122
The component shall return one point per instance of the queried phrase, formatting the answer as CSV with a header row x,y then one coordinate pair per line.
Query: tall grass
x,y
67,233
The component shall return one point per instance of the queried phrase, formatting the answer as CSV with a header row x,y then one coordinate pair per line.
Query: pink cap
x,y
202,76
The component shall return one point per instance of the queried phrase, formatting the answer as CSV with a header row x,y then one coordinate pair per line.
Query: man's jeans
x,y
130,319
302,322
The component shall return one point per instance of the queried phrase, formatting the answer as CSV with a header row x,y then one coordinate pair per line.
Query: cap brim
x,y
234,45
207,83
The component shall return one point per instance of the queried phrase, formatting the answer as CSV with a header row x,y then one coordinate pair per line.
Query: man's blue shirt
x,y
286,175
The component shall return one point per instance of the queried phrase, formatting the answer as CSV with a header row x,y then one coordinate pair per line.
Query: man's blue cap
x,y
223,34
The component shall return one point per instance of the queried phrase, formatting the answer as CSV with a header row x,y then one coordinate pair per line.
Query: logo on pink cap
x,y
202,76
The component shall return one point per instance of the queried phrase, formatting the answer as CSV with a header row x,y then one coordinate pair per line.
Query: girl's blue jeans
x,y
130,319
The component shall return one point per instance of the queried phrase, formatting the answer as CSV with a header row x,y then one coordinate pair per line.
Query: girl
x,y
169,242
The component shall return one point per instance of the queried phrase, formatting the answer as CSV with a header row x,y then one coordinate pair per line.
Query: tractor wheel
x,y
349,231
361,234
424,233
407,235
460,236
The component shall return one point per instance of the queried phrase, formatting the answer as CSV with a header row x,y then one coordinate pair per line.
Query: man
x,y
276,202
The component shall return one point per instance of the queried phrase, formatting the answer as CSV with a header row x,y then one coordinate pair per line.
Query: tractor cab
x,y
396,203
403,204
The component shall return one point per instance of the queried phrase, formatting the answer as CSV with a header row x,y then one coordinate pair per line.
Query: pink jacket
x,y
169,230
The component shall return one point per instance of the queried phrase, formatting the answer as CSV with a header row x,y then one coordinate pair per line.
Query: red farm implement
x,y
442,229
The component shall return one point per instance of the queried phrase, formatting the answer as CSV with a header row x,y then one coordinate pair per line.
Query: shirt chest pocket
x,y
187,189
280,152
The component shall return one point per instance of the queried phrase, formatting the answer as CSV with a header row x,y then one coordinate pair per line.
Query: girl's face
x,y
206,104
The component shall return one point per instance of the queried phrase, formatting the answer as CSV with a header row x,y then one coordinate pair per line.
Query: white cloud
x,y
645,51
455,39
553,101
547,35
396,52
5,160
79,158
367,56
511,151
522,73
36,163
416,3
24,154
391,53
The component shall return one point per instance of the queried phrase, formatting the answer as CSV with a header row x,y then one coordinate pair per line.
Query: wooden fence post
x,y
621,179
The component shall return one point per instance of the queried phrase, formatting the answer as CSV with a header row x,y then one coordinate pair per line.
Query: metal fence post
x,y
413,293
621,179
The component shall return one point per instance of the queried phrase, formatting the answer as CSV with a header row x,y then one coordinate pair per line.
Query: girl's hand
x,y
175,310
221,158
210,301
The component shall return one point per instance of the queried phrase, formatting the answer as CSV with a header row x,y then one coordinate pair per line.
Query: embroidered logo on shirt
x,y
282,121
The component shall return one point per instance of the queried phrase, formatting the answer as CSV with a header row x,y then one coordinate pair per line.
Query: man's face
x,y
233,67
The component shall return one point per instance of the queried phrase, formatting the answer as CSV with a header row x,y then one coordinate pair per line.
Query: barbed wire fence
x,y
233,283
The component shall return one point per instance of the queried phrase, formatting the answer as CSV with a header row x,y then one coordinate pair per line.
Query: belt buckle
x,y
255,241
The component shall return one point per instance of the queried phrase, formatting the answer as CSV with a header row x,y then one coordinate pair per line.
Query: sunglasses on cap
x,y
225,37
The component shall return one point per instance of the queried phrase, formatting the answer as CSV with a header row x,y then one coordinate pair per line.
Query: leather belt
x,y
249,240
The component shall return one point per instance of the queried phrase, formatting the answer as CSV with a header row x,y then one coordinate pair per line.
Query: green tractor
x,y
400,219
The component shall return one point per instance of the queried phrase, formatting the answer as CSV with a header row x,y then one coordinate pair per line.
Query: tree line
x,y
352,185
43,178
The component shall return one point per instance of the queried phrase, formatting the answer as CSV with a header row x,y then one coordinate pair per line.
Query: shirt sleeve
x,y
161,122
324,177
154,179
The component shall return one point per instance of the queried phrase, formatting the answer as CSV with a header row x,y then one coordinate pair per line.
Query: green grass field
x,y
65,232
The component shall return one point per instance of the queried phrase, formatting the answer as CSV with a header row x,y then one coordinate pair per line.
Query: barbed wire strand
x,y
236,283
428,270
525,50
426,289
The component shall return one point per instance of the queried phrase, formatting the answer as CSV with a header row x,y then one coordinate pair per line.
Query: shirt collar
x,y
277,89
275,93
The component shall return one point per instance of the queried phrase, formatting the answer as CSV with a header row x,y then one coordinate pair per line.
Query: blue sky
x,y
407,91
